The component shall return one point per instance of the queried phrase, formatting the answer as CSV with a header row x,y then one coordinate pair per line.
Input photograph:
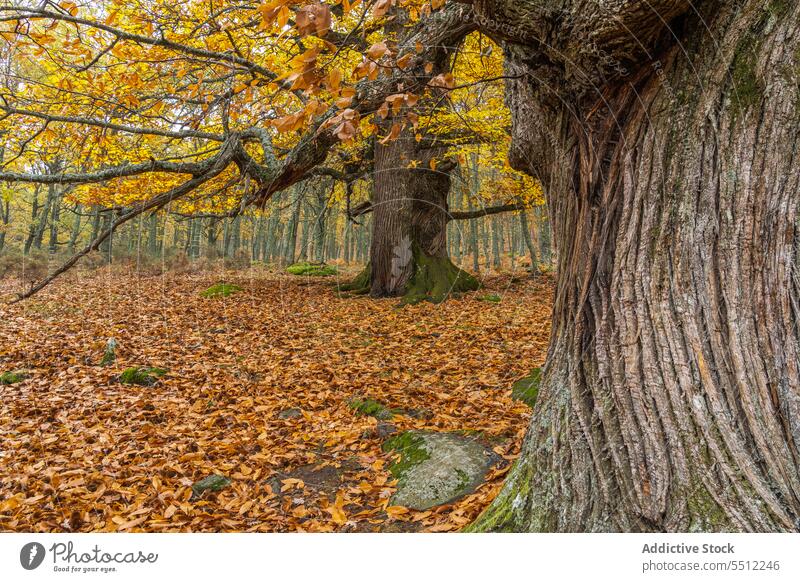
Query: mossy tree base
x,y
435,279
361,284
507,512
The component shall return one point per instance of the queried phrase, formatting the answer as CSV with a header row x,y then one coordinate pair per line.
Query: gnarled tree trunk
x,y
408,254
408,250
671,395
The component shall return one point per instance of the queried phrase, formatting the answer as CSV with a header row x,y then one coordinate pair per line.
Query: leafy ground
x,y
257,390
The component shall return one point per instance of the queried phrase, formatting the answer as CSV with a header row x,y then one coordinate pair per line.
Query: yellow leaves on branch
x,y
304,74
346,123
273,13
396,102
393,134
70,7
377,50
292,83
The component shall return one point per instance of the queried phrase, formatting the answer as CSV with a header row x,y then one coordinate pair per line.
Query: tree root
x,y
435,279
360,285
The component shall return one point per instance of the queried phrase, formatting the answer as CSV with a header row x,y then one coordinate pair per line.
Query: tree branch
x,y
28,13
214,168
469,214
114,126
121,171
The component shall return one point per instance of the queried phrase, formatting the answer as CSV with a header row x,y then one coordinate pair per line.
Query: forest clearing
x,y
259,388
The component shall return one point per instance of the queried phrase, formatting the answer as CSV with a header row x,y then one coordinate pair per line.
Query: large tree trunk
x,y
408,251
408,255
671,395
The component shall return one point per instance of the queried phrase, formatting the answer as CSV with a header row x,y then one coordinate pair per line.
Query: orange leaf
x,y
377,50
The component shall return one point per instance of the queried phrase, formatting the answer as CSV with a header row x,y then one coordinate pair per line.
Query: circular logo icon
x,y
31,555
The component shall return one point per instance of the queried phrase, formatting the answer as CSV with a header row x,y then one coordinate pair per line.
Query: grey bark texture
x,y
666,137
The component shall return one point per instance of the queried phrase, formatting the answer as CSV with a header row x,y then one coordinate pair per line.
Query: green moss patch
x,y
491,298
220,290
312,269
527,389
7,378
141,376
370,407
410,446
435,279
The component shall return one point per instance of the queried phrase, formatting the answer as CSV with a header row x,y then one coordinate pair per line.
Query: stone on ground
x,y
288,413
210,483
110,353
436,468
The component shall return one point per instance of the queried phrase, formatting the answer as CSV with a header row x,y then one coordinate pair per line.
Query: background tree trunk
x,y
544,237
671,395
5,216
526,237
291,231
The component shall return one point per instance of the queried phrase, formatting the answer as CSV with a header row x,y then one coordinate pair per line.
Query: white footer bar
x,y
399,557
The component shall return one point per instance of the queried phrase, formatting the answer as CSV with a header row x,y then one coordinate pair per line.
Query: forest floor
x,y
257,389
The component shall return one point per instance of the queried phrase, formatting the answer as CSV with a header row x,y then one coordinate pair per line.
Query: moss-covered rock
x,y
435,468
491,298
110,353
527,389
142,375
288,413
370,407
7,378
220,290
210,483
311,269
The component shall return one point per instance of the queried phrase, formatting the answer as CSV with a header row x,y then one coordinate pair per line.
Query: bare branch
x,y
114,126
469,214
121,171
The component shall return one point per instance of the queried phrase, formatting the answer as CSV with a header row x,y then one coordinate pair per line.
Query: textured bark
x,y
408,254
671,395
400,193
